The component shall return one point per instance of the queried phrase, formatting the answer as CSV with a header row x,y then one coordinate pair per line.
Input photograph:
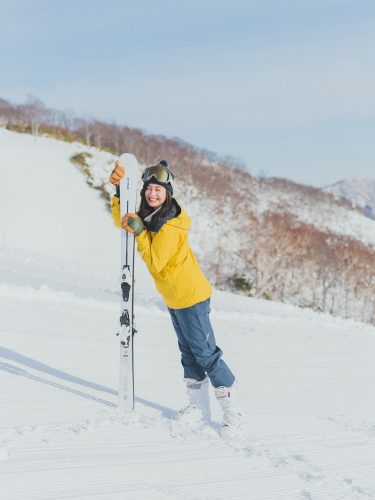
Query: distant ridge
x,y
360,193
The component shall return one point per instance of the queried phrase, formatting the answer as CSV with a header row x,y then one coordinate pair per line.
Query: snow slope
x,y
325,214
305,380
44,204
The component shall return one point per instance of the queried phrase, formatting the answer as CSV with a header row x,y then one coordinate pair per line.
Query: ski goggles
x,y
159,173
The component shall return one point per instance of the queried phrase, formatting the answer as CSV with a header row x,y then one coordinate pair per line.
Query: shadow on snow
x,y
11,355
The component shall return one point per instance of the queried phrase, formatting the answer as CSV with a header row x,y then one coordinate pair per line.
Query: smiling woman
x,y
161,230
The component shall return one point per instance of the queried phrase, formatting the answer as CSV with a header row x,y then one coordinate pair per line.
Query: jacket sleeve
x,y
158,251
115,208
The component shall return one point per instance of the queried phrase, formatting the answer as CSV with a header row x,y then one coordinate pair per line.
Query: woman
x,y
161,231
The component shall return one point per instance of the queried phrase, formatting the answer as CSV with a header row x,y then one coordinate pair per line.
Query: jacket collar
x,y
156,225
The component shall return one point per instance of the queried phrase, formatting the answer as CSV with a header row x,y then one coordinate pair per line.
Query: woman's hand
x,y
132,223
117,173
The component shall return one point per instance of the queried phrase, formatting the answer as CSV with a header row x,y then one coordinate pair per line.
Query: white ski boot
x,y
199,402
232,420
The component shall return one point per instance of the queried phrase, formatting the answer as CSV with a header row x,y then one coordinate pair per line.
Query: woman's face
x,y
155,195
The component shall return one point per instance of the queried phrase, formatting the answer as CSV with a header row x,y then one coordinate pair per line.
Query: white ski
x,y
128,201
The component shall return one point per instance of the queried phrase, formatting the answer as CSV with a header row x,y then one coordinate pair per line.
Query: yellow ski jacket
x,y
171,262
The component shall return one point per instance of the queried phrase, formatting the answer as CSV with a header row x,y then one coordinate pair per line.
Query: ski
x,y
128,201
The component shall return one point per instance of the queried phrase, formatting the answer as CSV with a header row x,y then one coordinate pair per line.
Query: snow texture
x,y
305,381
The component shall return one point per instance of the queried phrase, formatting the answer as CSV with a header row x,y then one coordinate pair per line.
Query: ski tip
x,y
128,159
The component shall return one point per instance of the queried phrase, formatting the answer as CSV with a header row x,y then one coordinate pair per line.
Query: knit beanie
x,y
167,185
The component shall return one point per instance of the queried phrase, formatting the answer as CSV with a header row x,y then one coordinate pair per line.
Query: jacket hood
x,y
181,221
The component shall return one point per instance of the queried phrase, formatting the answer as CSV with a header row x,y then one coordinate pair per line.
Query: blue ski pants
x,y
196,340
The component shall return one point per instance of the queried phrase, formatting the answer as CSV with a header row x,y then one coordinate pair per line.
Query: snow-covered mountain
x,y
304,379
267,238
360,193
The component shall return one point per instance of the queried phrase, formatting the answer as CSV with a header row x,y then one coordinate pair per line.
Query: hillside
x,y
268,238
304,380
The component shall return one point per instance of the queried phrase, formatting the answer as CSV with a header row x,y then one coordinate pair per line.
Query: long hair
x,y
145,209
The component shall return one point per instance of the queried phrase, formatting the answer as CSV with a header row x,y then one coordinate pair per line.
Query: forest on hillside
x,y
34,117
259,243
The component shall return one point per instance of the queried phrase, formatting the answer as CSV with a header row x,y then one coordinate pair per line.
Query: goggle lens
x,y
160,173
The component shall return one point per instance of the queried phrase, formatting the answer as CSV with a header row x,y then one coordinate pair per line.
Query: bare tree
x,y
34,112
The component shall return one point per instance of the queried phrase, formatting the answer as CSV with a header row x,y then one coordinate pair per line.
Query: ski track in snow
x,y
177,461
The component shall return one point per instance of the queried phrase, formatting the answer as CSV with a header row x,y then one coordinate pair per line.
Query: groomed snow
x,y
305,380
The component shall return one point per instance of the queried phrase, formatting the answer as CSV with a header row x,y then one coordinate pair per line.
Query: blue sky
x,y
286,86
